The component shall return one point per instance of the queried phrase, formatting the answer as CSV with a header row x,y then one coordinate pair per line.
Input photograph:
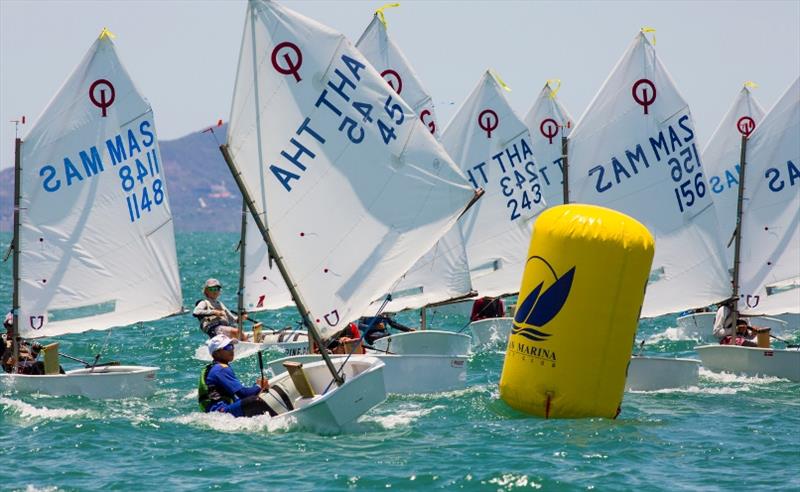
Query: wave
x,y
727,377
227,423
28,411
401,417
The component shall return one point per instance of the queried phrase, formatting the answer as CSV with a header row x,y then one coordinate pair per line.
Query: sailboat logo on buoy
x,y
540,307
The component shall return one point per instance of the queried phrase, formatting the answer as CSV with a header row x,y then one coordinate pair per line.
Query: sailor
x,y
487,307
342,342
27,362
219,390
723,322
215,318
744,335
374,328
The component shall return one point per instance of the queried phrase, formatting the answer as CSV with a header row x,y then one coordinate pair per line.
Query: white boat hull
x,y
656,373
752,361
425,342
292,343
104,382
334,409
404,374
700,326
491,331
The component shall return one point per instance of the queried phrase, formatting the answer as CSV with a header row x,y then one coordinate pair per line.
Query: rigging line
x,y
360,340
99,354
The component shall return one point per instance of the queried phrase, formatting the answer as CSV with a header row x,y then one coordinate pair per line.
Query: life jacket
x,y
208,395
353,329
209,323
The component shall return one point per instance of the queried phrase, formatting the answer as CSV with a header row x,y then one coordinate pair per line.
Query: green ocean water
x,y
728,433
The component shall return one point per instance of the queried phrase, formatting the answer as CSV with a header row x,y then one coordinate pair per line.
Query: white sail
x,y
770,251
384,55
494,150
548,121
97,246
353,188
634,150
721,162
264,287
442,273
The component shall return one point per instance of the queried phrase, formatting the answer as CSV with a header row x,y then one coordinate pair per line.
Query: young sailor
x,y
215,318
27,362
723,321
219,390
375,328
487,307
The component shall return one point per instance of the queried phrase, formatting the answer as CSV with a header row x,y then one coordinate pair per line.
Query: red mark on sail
x,y
746,125
292,66
488,121
430,124
393,79
549,129
103,102
643,97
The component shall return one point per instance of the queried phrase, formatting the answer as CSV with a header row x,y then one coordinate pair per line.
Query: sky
x,y
182,54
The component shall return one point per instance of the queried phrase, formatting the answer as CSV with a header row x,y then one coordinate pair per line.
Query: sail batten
x,y
352,188
97,245
635,150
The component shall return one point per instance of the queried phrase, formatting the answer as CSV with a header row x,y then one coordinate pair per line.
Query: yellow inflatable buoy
x,y
577,312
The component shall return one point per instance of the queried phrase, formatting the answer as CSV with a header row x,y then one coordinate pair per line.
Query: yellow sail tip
x,y
105,33
647,29
379,12
499,80
750,84
554,90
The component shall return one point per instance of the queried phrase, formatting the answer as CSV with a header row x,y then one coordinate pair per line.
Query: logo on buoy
x,y
541,305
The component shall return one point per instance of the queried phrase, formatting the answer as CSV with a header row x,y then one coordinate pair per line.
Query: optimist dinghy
x,y
635,150
260,288
766,270
344,184
93,244
439,276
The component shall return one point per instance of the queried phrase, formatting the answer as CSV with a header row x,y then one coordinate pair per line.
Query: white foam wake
x,y
401,417
727,377
29,411
224,422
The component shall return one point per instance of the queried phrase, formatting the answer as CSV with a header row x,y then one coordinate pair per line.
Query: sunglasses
x,y
228,347
215,289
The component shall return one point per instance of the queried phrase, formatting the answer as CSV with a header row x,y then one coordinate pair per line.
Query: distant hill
x,y
202,192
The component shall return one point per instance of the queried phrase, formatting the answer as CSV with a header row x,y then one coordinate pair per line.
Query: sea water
x,y
728,432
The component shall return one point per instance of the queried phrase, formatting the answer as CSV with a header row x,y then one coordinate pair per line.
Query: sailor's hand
x,y
263,383
219,312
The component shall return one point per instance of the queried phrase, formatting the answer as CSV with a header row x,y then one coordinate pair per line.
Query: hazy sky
x,y
182,54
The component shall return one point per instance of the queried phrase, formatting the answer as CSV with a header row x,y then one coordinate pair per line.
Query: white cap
x,y
218,342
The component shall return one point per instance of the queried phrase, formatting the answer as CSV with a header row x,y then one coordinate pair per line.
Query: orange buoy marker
x,y
577,313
